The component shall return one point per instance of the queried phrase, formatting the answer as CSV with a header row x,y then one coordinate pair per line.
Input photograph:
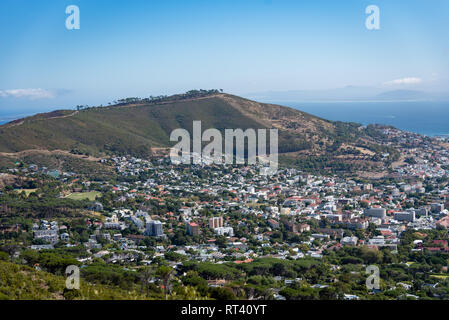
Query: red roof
x,y
443,242
243,261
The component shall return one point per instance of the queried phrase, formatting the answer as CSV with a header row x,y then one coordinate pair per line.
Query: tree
x,y
222,294
370,256
165,273
221,241
4,256
10,250
145,278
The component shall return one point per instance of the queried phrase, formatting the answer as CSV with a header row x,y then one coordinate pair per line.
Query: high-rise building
x,y
157,228
436,207
375,212
154,228
405,216
215,222
193,229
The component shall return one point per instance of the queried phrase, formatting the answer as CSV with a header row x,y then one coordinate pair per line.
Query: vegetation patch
x,y
91,196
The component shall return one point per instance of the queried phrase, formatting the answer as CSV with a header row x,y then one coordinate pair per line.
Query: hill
x,y
20,282
139,126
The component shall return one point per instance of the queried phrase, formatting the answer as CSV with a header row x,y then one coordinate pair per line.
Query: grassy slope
x,y
23,283
91,196
135,129
123,128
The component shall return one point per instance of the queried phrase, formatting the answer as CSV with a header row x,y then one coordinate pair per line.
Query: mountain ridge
x,y
138,127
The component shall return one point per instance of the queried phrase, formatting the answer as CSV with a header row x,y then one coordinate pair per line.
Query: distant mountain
x,y
348,93
340,94
408,95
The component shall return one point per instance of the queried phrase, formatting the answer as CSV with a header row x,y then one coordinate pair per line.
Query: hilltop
x,y
137,126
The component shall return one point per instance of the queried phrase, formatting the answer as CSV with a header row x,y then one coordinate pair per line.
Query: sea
x,y
8,116
427,118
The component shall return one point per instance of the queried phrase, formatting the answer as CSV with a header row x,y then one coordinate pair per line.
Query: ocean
x,y
6,116
427,118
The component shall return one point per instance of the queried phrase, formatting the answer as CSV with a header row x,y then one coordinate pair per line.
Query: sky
x,y
142,48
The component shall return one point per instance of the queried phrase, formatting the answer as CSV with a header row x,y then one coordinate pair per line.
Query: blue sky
x,y
142,48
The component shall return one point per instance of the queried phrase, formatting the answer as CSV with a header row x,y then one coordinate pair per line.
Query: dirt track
x,y
10,125
47,152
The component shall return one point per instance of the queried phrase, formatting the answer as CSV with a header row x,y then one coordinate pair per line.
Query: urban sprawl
x,y
229,232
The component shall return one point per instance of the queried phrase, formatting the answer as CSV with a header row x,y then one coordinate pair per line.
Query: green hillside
x,y
135,127
119,129
19,282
